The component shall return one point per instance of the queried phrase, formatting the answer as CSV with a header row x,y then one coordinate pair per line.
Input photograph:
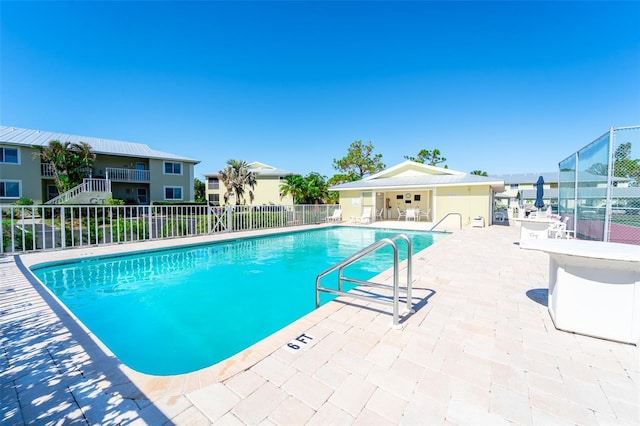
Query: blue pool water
x,y
179,310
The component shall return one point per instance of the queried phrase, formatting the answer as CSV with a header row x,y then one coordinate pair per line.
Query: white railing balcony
x,y
127,175
46,170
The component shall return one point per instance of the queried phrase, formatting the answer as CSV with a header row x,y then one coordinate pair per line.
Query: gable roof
x,y
260,169
409,167
29,137
267,170
409,175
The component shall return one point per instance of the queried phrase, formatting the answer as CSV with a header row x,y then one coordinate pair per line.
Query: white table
x,y
594,287
534,229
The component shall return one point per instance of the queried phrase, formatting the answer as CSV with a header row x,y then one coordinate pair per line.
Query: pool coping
x,y
154,387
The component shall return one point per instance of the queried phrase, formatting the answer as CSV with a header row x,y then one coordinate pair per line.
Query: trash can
x,y
477,222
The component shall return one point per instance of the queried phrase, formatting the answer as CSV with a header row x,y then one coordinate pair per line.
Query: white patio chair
x,y
365,217
379,214
424,214
336,217
558,229
401,214
411,215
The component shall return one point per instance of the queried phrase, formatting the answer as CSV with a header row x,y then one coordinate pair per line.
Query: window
x,y
173,193
513,186
9,156
142,195
172,168
10,188
214,199
213,183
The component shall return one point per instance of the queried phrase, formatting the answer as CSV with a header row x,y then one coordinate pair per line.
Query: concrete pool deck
x,y
480,349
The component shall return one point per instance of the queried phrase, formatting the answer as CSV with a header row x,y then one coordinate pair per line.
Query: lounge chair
x,y
365,217
336,217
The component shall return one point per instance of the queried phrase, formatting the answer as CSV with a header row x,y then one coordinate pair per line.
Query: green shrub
x,y
123,228
179,228
18,235
24,201
90,231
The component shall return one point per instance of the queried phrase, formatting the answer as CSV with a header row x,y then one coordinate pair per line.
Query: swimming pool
x,y
178,310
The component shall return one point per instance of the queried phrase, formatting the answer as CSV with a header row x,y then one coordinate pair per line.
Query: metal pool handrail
x,y
446,216
396,281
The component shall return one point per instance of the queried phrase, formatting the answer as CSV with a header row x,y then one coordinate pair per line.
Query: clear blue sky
x,y
504,87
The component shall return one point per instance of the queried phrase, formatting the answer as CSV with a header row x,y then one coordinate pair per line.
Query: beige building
x,y
135,172
435,191
266,191
520,189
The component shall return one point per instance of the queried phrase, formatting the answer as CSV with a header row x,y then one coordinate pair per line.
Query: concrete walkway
x,y
480,349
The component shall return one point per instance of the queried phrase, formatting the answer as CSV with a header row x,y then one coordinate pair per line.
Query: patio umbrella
x,y
539,193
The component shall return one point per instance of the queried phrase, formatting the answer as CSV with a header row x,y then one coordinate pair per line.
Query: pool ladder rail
x,y
395,302
446,216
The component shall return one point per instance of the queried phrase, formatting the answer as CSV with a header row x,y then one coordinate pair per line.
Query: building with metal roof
x,y
266,191
520,188
433,191
137,173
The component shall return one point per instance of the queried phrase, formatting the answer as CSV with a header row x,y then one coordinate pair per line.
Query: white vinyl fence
x,y
54,227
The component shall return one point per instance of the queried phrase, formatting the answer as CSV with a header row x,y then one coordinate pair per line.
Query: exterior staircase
x,y
90,191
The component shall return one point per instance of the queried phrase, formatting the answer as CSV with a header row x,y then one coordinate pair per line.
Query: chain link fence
x,y
599,188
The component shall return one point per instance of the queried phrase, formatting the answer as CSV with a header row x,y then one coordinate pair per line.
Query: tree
x,y
317,189
479,173
199,191
432,158
624,166
359,162
339,178
599,169
311,189
69,162
235,176
293,185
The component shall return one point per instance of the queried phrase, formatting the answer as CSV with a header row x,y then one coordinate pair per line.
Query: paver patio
x,y
480,349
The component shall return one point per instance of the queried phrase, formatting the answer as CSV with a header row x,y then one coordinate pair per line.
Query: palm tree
x,y
311,189
293,185
69,162
82,160
479,173
316,189
235,176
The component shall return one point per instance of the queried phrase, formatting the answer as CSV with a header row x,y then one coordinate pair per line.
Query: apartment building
x,y
266,191
135,172
520,189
